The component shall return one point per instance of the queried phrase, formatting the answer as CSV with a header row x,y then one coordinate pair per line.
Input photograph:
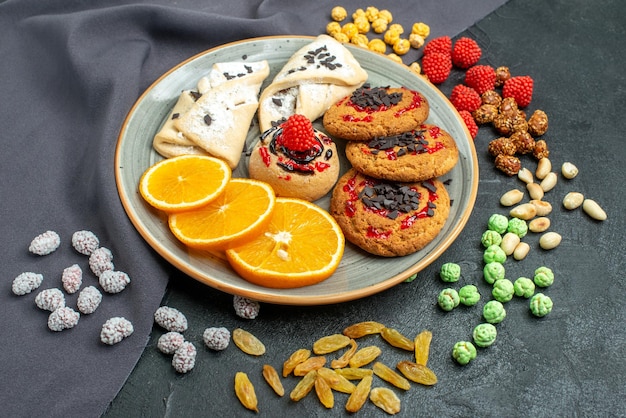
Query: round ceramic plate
x,y
359,274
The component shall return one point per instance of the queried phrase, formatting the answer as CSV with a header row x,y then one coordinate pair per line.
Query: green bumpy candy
x,y
448,299
463,352
450,272
490,237
484,335
410,278
544,277
503,290
493,271
494,253
518,226
494,312
498,223
469,295
524,287
540,305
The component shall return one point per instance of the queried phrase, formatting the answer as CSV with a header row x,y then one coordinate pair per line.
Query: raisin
x,y
248,343
245,391
361,329
304,386
385,399
296,358
324,392
390,376
395,338
422,347
365,356
330,343
417,373
272,379
360,394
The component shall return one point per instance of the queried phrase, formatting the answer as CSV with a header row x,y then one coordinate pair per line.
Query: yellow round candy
x,y
391,36
379,25
333,28
397,27
362,24
371,13
338,13
360,39
415,67
377,45
357,13
416,40
341,37
349,29
401,46
386,14
395,58
421,29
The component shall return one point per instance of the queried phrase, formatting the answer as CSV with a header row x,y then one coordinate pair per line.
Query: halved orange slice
x,y
185,182
302,245
239,213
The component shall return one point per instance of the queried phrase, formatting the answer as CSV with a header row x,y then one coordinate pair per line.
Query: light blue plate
x,y
359,274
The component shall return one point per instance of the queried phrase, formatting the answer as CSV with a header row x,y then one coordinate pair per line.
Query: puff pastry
x,y
315,77
217,119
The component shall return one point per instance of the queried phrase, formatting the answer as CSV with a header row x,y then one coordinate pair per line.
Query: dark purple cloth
x,y
70,72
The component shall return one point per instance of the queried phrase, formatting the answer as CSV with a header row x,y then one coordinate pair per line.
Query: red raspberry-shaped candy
x,y
436,66
465,53
441,44
465,98
298,134
519,88
469,122
481,78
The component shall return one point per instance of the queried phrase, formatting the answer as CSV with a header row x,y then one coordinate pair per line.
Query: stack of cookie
x,y
390,202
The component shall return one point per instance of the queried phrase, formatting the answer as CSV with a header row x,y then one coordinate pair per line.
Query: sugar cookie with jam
x,y
389,219
376,111
422,153
296,159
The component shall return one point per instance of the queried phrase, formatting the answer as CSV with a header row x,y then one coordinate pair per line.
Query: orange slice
x,y
240,212
302,245
185,182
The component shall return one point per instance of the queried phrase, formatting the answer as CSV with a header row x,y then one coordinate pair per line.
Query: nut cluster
x,y
518,133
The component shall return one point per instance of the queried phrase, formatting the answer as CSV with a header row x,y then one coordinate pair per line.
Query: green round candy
x,y
544,277
484,335
503,290
524,287
518,226
494,253
493,271
450,272
498,223
540,305
490,237
494,312
463,352
469,295
448,299
410,278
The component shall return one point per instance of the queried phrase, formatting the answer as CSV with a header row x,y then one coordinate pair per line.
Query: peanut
x,y
525,175
569,170
572,200
509,242
525,211
535,191
549,240
593,209
539,224
544,167
542,207
548,182
521,251
512,197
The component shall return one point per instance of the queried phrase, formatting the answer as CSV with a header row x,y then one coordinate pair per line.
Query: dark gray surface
x,y
570,363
